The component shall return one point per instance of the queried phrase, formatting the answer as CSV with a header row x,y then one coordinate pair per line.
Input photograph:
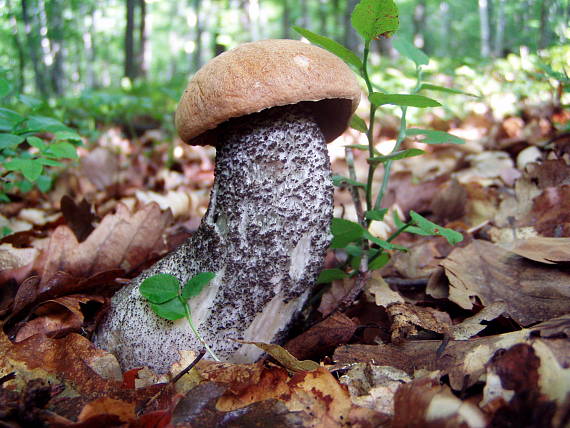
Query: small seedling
x,y
170,301
373,19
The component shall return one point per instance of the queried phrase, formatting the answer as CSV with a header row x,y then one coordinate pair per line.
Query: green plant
x,y
31,147
373,19
170,301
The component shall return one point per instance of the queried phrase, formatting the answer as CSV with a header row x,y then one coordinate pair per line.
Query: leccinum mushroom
x,y
269,107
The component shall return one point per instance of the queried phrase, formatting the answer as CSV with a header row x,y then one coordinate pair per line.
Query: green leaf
x,y
10,140
44,183
408,50
30,101
339,180
353,250
62,150
42,123
30,168
452,236
330,45
68,136
160,288
356,122
5,87
407,100
438,88
374,18
377,215
329,275
435,137
382,243
171,310
38,143
9,119
196,284
379,262
345,232
402,154
49,162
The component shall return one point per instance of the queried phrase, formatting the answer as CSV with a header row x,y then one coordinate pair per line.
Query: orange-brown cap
x,y
259,75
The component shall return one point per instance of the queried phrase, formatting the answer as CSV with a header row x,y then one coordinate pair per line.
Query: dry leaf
x,y
284,357
425,402
463,360
123,240
324,336
531,292
475,324
383,294
412,322
57,317
543,249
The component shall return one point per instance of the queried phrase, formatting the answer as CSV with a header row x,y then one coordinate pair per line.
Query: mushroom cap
x,y
264,74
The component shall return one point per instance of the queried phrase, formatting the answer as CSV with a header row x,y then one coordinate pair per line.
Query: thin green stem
x,y
399,141
200,338
370,132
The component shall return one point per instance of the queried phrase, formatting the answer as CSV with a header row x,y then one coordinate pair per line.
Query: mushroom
x,y
269,107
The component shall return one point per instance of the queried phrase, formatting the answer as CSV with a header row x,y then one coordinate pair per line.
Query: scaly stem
x,y
200,338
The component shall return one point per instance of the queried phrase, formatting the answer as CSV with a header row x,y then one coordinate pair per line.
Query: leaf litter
x,y
472,335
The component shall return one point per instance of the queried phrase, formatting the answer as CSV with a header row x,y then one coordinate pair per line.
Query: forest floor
x,y
471,335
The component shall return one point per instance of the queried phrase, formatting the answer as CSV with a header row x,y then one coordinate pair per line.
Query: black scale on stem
x,y
264,235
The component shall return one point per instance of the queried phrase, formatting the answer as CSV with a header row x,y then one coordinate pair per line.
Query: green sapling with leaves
x,y
373,19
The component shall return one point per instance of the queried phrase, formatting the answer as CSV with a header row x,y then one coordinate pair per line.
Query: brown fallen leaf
x,y
79,217
543,249
551,212
123,240
16,263
322,337
108,406
413,322
57,317
427,403
464,361
531,292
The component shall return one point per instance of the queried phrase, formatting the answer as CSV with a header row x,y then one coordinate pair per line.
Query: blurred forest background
x,y
52,48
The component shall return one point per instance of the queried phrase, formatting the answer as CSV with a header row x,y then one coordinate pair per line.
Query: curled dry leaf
x,y
425,402
410,321
374,386
284,357
477,323
543,249
324,336
57,317
16,263
532,292
123,240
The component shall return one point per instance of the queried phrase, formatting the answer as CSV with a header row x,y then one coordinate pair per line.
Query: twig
x,y
353,189
171,382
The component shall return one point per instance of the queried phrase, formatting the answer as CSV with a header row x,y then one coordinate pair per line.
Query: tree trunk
x,y
419,20
89,30
264,236
446,19
351,39
130,59
286,20
544,28
18,46
142,51
57,49
500,30
198,29
33,42
485,28
305,21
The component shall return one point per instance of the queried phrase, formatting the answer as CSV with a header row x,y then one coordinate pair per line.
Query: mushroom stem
x,y
264,235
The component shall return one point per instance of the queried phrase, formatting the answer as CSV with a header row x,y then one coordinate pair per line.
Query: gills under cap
x,y
260,75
